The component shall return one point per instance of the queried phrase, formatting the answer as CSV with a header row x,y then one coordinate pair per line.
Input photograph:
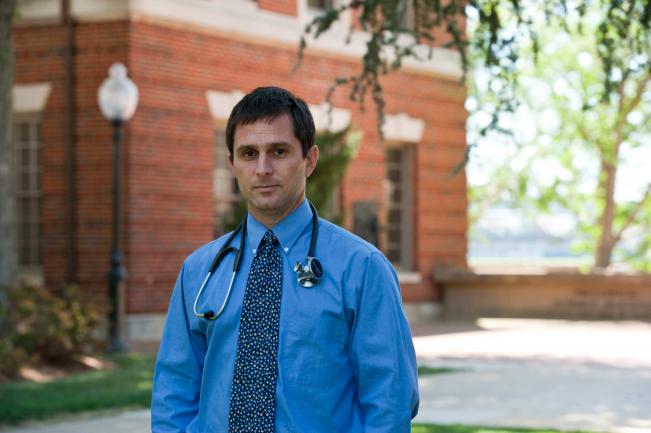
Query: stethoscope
x,y
308,276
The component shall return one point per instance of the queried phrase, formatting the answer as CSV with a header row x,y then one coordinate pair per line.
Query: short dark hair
x,y
268,103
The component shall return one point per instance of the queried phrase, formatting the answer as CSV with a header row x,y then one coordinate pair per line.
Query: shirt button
x,y
286,249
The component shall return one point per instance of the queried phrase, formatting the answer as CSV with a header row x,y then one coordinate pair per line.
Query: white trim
x,y
333,122
30,98
403,128
221,104
145,327
38,11
409,277
422,312
96,10
246,20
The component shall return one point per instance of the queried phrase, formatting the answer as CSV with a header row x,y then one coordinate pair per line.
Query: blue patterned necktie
x,y
253,397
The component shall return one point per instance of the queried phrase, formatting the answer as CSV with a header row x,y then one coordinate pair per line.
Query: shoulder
x,y
339,237
351,246
207,252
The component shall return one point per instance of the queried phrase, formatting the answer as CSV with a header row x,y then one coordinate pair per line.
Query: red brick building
x,y
192,61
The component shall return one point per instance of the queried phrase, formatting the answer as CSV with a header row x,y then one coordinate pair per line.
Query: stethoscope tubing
x,y
226,249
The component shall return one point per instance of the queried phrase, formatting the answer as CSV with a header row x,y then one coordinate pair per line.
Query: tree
x,y
8,248
571,158
501,27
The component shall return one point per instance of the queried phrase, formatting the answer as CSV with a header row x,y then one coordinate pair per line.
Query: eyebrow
x,y
257,146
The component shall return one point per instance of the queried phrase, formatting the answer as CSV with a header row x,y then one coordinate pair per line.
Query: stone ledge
x,y
460,276
468,295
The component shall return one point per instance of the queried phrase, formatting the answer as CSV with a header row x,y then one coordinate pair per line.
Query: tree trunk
x,y
606,244
8,223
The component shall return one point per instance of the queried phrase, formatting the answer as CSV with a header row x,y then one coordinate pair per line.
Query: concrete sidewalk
x,y
521,373
538,373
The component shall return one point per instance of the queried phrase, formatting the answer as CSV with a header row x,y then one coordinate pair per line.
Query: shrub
x,y
39,325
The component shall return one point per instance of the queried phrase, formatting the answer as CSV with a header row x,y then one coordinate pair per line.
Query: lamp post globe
x,y
117,98
118,95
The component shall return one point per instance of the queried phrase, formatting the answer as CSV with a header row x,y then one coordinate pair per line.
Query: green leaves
x,y
499,30
46,326
337,149
582,129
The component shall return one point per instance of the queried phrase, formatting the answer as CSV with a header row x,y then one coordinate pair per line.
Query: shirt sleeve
x,y
179,366
382,352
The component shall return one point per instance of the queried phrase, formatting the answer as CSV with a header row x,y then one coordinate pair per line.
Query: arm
x,y
382,352
179,366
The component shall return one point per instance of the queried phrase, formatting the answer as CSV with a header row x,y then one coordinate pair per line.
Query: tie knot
x,y
269,238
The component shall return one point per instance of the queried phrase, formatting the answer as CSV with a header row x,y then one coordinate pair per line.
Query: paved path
x,y
534,373
529,373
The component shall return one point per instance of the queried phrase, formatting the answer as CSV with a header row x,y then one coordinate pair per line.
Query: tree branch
x,y
638,94
633,215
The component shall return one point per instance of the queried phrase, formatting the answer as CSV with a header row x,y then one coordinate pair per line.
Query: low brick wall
x,y
466,295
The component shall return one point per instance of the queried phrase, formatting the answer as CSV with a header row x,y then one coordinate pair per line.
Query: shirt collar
x,y
287,230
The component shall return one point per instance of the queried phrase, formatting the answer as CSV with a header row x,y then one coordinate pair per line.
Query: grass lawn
x,y
424,370
129,385
427,428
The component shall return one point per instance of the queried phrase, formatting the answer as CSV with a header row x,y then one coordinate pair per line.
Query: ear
x,y
230,163
311,159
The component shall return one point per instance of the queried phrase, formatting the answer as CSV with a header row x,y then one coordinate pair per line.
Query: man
x,y
280,357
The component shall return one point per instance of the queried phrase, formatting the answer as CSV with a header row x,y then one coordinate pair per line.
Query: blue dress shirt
x,y
346,361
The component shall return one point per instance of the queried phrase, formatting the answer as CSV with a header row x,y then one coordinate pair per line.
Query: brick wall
x,y
39,59
287,7
168,147
576,296
98,45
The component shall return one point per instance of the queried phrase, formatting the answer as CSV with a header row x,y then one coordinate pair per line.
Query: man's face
x,y
270,169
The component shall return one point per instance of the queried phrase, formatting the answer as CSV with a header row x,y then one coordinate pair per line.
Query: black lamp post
x,y
118,99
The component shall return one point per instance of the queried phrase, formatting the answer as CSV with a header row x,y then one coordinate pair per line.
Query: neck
x,y
270,219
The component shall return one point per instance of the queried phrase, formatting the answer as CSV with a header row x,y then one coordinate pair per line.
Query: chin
x,y
265,204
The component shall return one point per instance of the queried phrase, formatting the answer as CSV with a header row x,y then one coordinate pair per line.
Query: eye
x,y
248,154
280,152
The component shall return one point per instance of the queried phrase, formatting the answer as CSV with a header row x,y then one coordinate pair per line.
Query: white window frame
x,y
225,191
28,188
405,208
29,101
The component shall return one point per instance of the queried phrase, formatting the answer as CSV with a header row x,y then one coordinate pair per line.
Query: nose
x,y
264,166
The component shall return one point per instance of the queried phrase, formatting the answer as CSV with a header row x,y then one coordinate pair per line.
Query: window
x,y
407,14
225,190
320,4
27,137
398,227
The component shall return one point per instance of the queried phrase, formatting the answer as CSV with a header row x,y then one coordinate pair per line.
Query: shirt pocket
x,y
314,350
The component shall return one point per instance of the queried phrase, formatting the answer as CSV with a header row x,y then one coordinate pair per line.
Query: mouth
x,y
264,188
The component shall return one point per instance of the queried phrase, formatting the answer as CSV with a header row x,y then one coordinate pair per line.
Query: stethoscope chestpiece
x,y
309,275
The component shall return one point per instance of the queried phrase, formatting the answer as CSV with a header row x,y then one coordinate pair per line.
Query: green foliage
x,y
392,39
11,357
430,428
235,218
336,149
425,370
500,29
584,125
128,385
41,326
